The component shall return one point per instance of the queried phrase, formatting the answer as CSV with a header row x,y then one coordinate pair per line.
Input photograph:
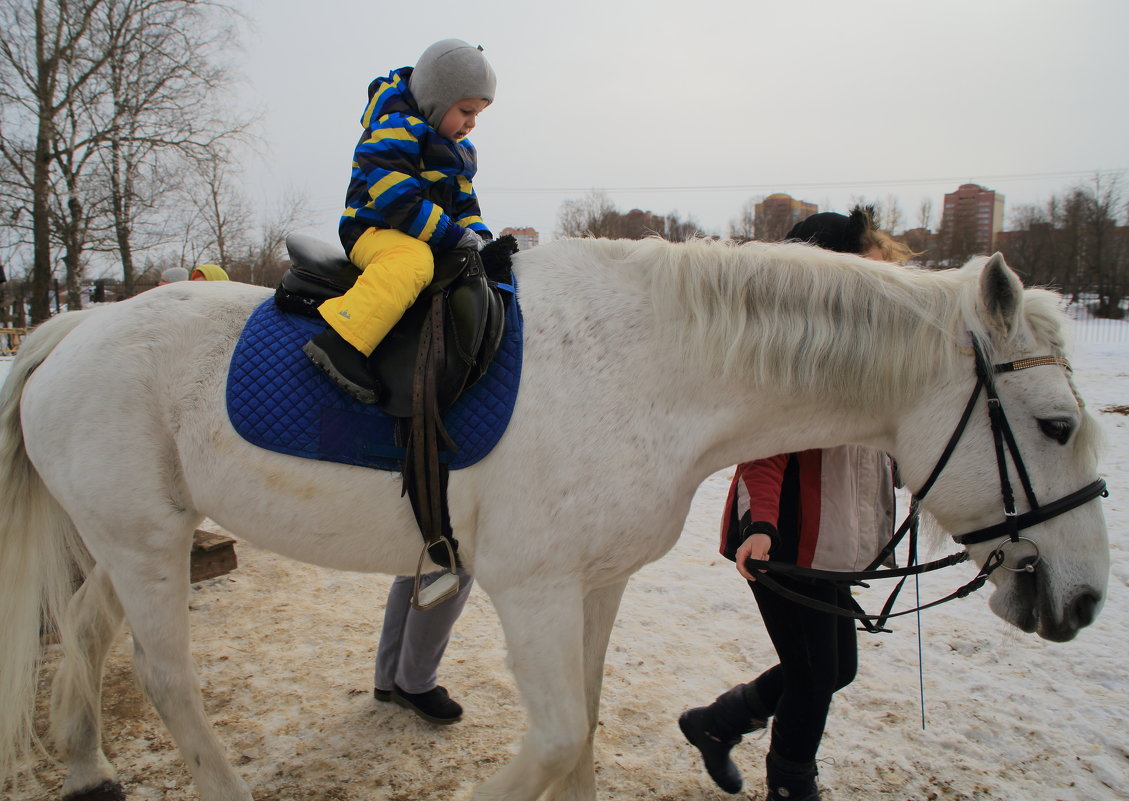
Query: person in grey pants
x,y
412,643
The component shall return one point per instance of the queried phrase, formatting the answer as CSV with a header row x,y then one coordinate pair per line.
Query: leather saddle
x,y
441,346
462,302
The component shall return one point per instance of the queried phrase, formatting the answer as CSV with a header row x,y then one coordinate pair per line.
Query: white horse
x,y
648,366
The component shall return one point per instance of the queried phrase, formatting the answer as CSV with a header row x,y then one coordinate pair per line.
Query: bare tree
x,y
597,216
73,202
46,63
1077,243
925,213
163,88
743,227
593,216
677,229
893,220
266,263
1029,247
1104,251
223,215
95,93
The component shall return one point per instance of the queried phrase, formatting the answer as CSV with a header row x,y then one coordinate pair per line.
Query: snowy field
x,y
285,655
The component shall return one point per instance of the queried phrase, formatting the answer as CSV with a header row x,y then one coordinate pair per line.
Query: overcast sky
x,y
700,105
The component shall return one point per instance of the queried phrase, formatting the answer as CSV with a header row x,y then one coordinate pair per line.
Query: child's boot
x,y
790,781
716,728
346,365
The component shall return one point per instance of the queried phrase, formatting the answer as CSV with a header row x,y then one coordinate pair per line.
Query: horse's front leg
x,y
600,609
544,627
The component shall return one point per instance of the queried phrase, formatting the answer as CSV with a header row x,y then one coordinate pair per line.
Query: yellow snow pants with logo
x,y
397,267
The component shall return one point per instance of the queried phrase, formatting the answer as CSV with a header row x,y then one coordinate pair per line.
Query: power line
x,y
777,185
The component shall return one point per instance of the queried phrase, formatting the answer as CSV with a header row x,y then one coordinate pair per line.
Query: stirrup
x,y
439,590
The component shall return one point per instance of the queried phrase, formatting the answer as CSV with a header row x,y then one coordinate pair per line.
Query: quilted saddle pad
x,y
278,400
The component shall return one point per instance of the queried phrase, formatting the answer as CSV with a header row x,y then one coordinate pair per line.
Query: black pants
x,y
818,655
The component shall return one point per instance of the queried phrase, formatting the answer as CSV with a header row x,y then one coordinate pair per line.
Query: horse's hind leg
x,y
92,620
545,637
600,609
153,586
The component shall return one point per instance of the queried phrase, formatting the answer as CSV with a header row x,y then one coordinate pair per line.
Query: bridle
x,y
1006,532
1002,437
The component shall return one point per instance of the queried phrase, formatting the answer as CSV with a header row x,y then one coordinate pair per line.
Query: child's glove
x,y
496,258
471,241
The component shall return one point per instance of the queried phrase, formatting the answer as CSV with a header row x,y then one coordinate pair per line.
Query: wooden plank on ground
x,y
212,555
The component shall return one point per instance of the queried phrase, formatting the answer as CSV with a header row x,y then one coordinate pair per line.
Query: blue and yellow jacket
x,y
408,177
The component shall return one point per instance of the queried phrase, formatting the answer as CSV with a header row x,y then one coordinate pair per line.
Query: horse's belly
x,y
336,516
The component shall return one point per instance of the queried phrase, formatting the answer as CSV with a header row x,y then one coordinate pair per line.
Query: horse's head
x,y
1053,574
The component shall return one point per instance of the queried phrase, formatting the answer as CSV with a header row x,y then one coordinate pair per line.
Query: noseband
x,y
1007,532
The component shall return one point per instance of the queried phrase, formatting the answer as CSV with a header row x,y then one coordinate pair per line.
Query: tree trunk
x,y
120,203
41,177
76,242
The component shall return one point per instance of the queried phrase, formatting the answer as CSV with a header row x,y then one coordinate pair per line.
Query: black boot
x,y
716,728
343,363
790,781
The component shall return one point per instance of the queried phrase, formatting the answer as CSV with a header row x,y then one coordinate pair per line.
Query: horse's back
x,y
125,379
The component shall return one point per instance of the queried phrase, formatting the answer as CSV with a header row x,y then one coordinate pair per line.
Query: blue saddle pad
x,y
277,399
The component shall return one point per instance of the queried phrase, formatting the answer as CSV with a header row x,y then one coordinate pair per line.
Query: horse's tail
x,y
39,552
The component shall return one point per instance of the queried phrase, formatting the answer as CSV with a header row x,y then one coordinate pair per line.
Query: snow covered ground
x,y
285,655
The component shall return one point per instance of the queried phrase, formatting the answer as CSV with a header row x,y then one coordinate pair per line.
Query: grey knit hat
x,y
447,72
173,274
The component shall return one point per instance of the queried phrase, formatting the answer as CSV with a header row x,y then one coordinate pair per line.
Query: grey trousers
x,y
412,642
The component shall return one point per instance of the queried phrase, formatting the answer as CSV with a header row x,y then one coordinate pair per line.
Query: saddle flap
x,y
461,279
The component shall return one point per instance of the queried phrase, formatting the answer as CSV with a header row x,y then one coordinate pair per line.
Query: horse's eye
x,y
1059,430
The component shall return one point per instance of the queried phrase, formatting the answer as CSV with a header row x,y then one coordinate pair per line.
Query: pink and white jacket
x,y
833,508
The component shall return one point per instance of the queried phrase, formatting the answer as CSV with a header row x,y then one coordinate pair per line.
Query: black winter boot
x,y
790,781
716,728
343,363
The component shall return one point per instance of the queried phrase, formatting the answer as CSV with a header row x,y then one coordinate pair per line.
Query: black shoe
x,y
343,363
715,751
790,781
381,695
435,705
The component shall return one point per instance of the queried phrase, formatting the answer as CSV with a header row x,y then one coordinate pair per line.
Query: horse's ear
x,y
1001,294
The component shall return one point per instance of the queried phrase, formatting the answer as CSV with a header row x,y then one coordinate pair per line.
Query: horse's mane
x,y
795,317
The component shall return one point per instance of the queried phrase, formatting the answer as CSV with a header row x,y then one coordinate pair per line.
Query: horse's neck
x,y
742,424
707,417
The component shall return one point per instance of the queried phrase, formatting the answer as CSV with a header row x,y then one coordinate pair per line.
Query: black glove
x,y
496,258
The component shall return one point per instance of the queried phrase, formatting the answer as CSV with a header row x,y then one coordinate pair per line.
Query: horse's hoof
x,y
106,791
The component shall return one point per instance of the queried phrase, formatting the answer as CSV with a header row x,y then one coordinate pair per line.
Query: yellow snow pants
x,y
397,267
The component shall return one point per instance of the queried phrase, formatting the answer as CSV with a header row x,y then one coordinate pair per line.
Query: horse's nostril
x,y
1084,608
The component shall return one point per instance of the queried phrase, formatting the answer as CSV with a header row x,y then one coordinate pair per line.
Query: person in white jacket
x,y
830,509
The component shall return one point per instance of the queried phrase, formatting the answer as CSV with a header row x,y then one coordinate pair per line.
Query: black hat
x,y
833,231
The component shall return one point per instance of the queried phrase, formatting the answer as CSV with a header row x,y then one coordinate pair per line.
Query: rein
x,y
1007,532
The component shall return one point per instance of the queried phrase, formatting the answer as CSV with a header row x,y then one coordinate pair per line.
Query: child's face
x,y
460,118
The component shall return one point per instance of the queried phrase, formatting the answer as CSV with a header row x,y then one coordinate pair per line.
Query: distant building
x,y
526,237
774,216
971,221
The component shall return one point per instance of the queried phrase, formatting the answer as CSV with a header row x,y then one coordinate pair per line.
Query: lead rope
x,y
920,651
